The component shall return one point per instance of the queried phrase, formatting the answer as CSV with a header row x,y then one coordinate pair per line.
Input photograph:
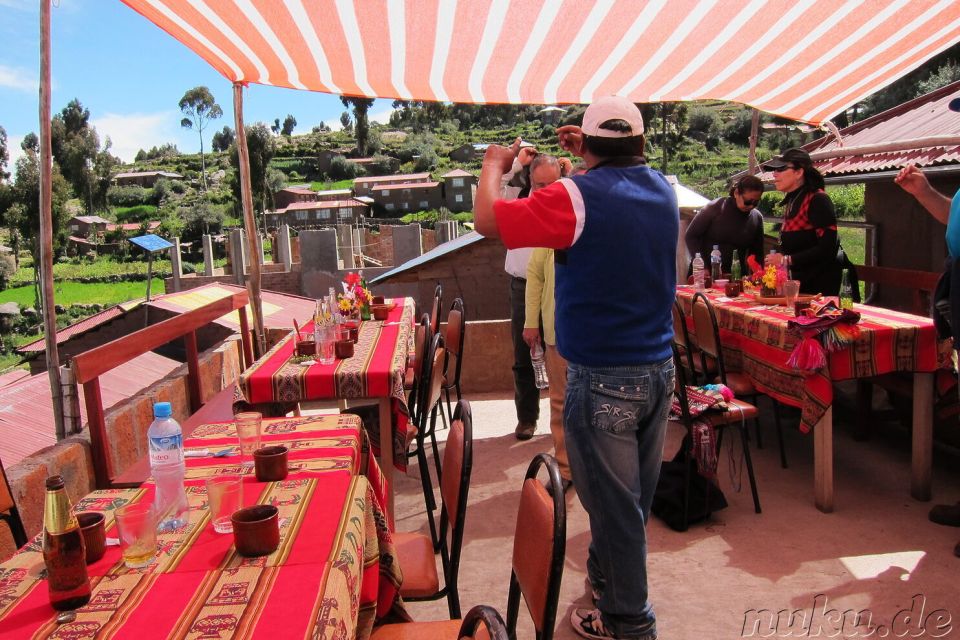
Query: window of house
x,y
323,214
457,182
388,206
424,204
346,212
301,215
458,197
406,192
385,193
405,206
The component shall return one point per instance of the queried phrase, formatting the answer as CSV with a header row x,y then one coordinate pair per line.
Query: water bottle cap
x,y
161,410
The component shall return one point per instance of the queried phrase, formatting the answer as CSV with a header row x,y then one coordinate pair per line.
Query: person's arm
x,y
824,220
497,161
533,293
698,228
914,182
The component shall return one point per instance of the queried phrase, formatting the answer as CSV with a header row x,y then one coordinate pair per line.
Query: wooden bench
x,y
921,284
90,365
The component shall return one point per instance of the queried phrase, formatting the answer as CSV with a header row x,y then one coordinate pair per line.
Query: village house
x,y
405,197
301,215
143,178
366,185
458,189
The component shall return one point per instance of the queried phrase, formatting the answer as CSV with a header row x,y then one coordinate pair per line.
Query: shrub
x,y
847,201
547,132
341,169
128,196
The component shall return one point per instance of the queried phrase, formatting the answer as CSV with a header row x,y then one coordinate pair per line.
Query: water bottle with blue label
x,y
165,441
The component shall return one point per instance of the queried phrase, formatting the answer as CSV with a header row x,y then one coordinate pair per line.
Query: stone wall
x,y
282,281
127,424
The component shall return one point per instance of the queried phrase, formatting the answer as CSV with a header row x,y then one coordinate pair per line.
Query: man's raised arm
x,y
496,161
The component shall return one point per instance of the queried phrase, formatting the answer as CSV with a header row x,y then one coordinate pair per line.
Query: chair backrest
x,y
455,489
483,621
456,330
430,384
708,332
680,387
680,335
9,512
539,548
421,342
435,311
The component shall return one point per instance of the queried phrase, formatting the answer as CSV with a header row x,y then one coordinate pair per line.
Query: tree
x,y
4,156
223,139
275,127
75,147
200,107
261,147
361,125
30,142
345,121
289,123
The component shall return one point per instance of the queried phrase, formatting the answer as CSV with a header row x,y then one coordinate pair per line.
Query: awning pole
x,y
46,227
249,223
754,132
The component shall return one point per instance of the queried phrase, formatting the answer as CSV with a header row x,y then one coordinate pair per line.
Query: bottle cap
x,y
161,410
54,483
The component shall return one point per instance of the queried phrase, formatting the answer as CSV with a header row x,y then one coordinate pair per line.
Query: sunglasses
x,y
784,168
750,203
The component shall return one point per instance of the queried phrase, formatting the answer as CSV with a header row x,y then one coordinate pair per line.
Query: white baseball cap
x,y
611,108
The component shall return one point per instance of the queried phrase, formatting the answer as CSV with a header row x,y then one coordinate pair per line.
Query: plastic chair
x,y
454,338
415,551
736,416
9,512
479,617
708,341
539,548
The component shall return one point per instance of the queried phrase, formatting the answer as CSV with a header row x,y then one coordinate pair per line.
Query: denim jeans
x,y
614,421
526,395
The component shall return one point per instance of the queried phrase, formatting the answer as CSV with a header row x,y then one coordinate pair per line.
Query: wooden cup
x,y
270,463
344,349
94,534
256,530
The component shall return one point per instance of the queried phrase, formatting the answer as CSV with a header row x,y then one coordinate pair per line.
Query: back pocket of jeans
x,y
617,402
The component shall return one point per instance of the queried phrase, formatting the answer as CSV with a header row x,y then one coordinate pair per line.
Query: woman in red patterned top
x,y
809,232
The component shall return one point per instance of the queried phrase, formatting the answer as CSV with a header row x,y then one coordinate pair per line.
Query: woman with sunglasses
x,y
731,222
808,236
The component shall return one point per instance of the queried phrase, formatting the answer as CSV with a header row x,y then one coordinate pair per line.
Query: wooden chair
x,y
736,416
681,338
708,342
415,551
481,621
9,512
454,338
539,548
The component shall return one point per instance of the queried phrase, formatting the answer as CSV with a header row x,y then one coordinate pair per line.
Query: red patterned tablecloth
x,y
376,370
333,574
756,340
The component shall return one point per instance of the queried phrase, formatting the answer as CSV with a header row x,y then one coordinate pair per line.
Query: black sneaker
x,y
525,430
588,624
947,514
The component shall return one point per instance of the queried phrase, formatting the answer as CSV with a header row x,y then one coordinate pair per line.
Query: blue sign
x,y
151,243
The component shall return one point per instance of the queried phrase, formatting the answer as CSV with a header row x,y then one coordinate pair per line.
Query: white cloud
x,y
14,151
383,117
131,132
19,79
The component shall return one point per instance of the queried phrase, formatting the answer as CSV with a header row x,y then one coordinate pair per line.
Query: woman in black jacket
x,y
809,232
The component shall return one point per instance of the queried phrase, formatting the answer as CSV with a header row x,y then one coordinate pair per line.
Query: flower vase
x,y
768,292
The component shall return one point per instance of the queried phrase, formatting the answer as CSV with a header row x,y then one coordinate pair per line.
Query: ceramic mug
x,y
256,530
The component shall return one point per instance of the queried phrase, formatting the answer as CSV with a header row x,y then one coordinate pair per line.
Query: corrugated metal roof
x,y
299,190
437,252
142,174
26,412
279,309
322,204
923,117
91,219
77,328
407,185
458,173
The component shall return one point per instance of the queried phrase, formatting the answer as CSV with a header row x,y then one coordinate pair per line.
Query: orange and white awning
x,y
803,59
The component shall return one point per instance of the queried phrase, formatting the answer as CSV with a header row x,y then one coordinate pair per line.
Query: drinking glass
x,y
326,344
137,528
248,432
791,289
224,498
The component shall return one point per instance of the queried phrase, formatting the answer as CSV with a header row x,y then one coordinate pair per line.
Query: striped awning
x,y
803,59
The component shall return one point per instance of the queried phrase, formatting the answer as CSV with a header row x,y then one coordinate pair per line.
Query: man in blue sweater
x,y
615,231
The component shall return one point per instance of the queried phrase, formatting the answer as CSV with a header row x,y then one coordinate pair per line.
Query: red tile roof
x,y
458,173
407,185
323,204
26,412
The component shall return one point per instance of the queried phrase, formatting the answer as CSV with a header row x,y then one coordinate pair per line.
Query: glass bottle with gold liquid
x,y
64,553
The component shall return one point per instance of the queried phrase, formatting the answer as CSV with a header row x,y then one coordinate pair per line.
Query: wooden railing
x,y
90,365
921,284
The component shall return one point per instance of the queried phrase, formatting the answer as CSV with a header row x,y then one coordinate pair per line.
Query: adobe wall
x,y
127,424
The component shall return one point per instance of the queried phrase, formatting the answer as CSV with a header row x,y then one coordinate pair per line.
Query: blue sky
x,y
130,75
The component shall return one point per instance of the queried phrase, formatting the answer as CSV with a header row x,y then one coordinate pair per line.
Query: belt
x,y
518,278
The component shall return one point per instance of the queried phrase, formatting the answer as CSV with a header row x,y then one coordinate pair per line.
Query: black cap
x,y
954,104
794,157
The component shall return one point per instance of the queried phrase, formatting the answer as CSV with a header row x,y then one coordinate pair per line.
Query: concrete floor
x,y
877,554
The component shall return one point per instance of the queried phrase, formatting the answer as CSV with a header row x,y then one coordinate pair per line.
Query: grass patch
x,y
68,293
137,213
327,186
97,269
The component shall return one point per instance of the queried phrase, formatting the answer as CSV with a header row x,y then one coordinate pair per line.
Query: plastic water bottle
x,y
165,439
539,367
698,272
715,259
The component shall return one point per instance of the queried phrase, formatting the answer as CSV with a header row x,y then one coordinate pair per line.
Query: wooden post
x,y
249,223
46,227
754,136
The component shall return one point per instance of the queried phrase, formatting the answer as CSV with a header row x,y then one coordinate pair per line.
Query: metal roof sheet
x,y
407,185
279,309
77,328
403,177
437,252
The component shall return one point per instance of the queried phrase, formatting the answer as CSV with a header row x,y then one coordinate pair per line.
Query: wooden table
x,y
332,575
756,340
375,372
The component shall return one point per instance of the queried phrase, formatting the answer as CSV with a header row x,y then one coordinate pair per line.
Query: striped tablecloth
x,y
333,574
756,341
376,370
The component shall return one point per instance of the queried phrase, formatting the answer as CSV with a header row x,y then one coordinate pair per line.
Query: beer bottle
x,y
64,553
846,291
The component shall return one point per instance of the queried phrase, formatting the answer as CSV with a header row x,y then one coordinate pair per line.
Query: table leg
x,y
920,476
823,462
386,451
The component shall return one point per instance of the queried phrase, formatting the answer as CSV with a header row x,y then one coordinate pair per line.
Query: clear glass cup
x,y
224,498
326,344
248,432
791,289
137,528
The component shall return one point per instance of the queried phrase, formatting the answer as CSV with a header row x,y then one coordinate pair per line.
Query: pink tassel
x,y
808,355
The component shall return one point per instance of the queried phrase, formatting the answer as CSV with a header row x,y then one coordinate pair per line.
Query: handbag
x,y
705,496
846,263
